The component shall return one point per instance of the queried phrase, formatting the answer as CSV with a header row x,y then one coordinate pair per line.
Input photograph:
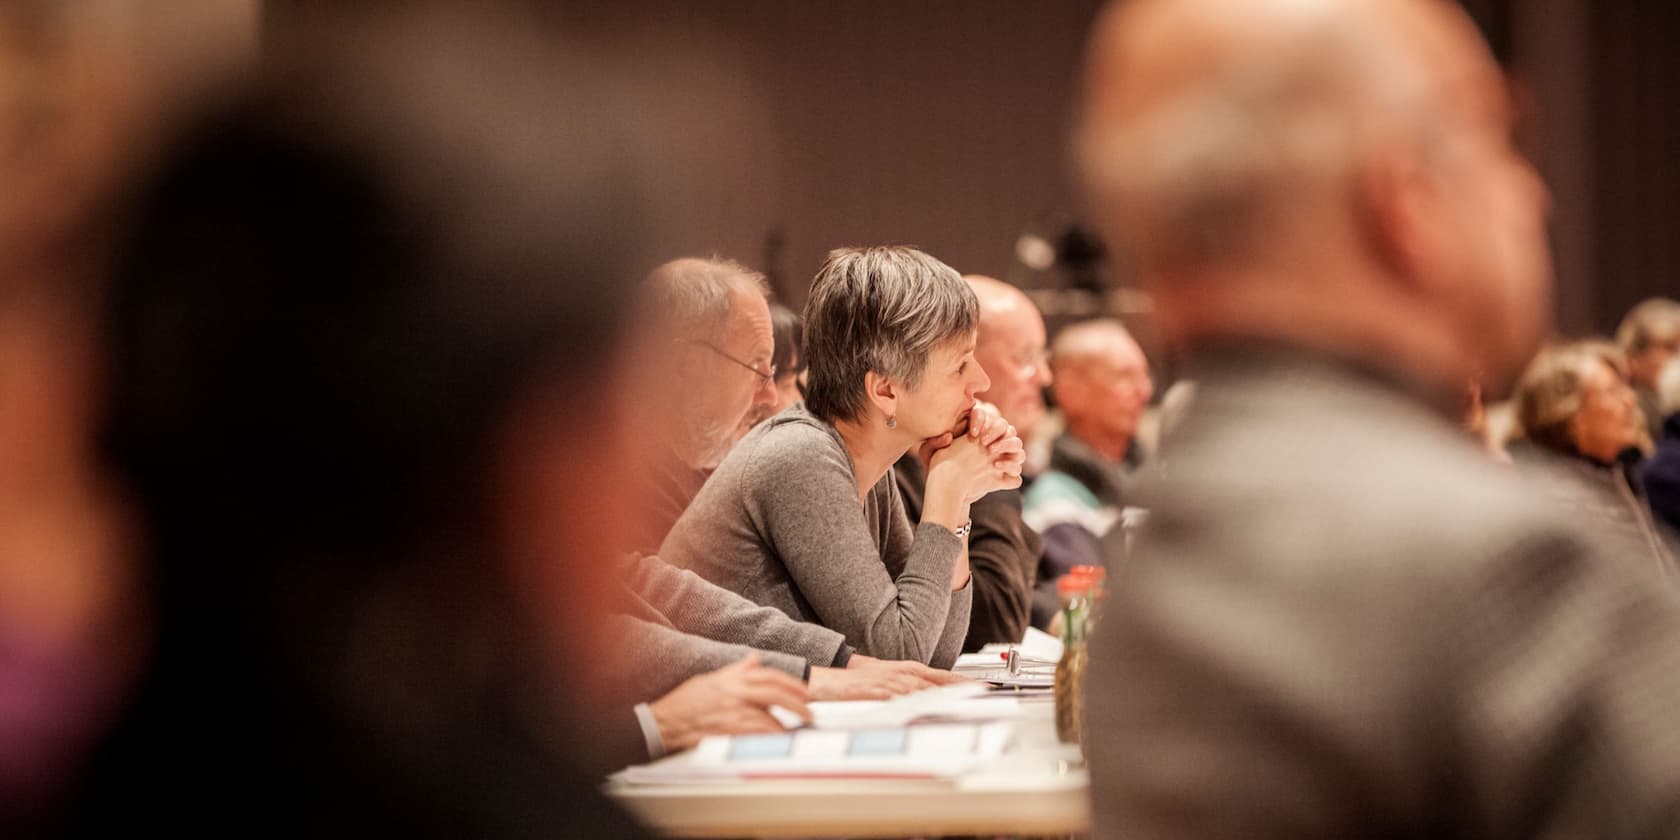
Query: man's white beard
x,y
712,441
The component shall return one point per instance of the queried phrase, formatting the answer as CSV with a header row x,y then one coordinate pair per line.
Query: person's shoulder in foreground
x,y
1368,626
1340,620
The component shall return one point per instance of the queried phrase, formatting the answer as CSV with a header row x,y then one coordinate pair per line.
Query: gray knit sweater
x,y
780,523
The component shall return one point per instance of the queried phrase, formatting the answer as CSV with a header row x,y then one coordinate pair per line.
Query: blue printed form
x,y
878,742
759,747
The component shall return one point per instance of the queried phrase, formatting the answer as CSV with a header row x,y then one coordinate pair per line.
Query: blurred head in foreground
x,y
1324,199
1336,176
362,336
71,107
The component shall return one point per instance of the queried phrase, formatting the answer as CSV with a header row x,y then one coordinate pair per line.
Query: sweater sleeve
x,y
900,544
648,660
822,538
1003,556
694,605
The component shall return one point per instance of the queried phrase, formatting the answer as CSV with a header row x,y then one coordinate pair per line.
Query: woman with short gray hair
x,y
804,515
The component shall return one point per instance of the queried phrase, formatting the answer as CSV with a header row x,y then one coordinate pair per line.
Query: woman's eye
x,y
962,368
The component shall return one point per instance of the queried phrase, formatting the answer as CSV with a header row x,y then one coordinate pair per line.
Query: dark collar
x,y
1253,356
1078,460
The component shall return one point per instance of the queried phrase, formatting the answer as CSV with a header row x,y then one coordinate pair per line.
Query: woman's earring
x,y
892,422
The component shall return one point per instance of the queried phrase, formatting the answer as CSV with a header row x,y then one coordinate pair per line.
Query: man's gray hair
x,y
1651,321
690,297
880,309
1668,387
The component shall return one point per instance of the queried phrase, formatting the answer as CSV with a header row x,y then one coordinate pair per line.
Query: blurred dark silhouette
x,y
364,323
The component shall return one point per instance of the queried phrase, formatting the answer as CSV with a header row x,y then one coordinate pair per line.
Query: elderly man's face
x,y
1011,349
1644,367
733,385
1104,392
1109,390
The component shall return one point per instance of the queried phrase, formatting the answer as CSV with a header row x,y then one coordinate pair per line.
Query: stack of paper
x,y
1036,658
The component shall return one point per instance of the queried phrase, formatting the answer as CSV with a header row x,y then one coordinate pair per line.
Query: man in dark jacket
x,y
1003,553
1661,473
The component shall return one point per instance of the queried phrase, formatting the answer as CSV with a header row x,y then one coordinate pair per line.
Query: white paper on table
x,y
1036,645
899,711
1042,646
935,751
855,713
1038,653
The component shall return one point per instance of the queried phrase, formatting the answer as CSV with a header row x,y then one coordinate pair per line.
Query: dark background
x,y
944,124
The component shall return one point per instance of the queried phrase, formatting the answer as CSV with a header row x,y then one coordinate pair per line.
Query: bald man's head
x,y
1102,384
1208,120
1010,348
1353,153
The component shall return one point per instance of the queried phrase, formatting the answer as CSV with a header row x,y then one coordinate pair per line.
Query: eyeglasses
x,y
1032,361
768,375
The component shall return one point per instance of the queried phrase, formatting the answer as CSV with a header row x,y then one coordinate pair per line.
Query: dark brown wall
x,y
943,123
1635,113
1604,78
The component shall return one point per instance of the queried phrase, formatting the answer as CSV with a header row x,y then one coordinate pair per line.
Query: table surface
x,y
1038,787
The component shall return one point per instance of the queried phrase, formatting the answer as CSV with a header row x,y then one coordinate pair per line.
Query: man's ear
x,y
1399,203
882,392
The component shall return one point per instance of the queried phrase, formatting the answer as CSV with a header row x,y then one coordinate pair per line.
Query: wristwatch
x,y
966,527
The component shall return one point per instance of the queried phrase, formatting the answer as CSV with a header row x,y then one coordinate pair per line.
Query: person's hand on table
x,y
732,700
931,676
868,678
926,677
858,684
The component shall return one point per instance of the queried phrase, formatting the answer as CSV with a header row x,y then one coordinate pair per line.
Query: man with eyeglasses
x,y
1650,335
712,343
1011,347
